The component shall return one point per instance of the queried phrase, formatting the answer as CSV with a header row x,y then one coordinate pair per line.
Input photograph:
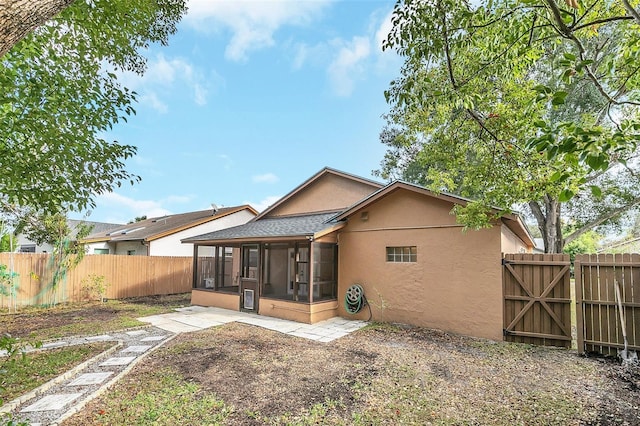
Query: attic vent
x,y
123,231
128,231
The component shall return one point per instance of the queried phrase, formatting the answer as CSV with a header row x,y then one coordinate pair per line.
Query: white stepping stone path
x,y
121,360
137,332
90,379
52,402
153,338
137,349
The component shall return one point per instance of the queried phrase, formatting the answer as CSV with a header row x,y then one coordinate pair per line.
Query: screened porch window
x,y
288,268
216,268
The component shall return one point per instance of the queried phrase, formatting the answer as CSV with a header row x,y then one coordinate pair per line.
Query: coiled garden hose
x,y
355,299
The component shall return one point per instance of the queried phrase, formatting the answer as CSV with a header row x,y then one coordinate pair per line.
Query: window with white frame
x,y
402,254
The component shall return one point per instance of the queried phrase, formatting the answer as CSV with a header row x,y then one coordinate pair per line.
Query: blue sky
x,y
250,99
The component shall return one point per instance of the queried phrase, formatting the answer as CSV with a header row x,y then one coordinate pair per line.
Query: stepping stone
x,y
90,379
53,345
99,338
123,360
136,332
153,338
51,402
136,349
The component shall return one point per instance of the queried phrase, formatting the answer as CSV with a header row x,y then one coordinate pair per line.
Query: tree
x,y
18,18
138,219
503,103
61,95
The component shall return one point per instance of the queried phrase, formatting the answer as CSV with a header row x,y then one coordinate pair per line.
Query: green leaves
x,y
61,95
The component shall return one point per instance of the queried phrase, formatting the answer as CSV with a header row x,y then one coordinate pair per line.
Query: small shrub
x,y
94,287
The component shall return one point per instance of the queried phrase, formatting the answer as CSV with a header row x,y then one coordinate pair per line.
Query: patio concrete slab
x,y
90,379
194,318
120,360
51,402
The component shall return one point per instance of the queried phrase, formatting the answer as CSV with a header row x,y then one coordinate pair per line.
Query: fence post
x,y
577,285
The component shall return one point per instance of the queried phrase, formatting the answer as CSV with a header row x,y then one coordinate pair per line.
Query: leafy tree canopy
x,y
60,95
510,102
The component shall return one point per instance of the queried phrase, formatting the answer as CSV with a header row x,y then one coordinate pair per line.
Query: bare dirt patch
x,y
382,375
63,317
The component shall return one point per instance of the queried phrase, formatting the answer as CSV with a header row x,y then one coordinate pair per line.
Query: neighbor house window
x,y
101,251
131,252
402,254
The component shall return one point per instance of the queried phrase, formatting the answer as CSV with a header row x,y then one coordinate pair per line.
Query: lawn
x,y
382,375
79,319
39,367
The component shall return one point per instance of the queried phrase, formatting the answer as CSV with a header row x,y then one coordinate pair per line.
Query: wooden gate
x,y
537,299
598,321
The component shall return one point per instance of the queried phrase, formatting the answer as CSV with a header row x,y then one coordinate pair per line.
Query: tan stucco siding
x,y
330,192
217,299
455,285
510,242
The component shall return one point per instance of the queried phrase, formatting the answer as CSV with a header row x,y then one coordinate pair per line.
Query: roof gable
x,y
327,190
512,221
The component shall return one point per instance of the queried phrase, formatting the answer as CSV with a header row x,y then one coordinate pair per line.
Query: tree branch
x,y
631,11
19,17
600,220
601,21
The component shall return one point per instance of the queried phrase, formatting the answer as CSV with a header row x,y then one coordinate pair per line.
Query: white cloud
x,y
348,64
265,203
151,99
383,30
127,208
265,178
227,161
252,23
163,75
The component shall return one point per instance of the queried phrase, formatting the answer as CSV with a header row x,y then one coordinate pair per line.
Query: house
x,y
24,245
160,236
341,245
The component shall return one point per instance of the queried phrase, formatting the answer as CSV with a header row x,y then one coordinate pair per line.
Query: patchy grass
x,y
86,318
39,367
161,397
243,375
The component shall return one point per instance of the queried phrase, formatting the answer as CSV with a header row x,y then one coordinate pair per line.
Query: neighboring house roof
x,y
312,179
158,227
299,226
512,221
95,226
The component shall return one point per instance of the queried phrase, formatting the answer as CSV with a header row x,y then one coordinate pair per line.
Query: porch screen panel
x,y
205,267
325,271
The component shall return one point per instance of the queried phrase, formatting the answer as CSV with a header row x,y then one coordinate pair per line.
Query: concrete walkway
x,y
194,318
53,402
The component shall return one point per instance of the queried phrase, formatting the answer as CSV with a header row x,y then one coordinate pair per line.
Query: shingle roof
x,y
158,226
288,226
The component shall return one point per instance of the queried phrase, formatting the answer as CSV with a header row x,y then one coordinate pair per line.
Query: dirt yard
x,y
382,374
72,319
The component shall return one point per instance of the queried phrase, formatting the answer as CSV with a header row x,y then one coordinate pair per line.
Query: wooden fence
x,y
598,320
127,276
537,299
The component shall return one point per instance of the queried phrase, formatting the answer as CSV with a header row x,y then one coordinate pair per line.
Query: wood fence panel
x,y
128,276
537,302
601,328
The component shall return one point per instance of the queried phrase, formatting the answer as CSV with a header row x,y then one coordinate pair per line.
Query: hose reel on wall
x,y
354,300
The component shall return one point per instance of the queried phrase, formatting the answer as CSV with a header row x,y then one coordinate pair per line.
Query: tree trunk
x,y
19,17
548,218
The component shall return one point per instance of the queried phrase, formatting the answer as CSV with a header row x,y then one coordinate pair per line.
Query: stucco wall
x,y
329,192
511,243
455,285
101,245
219,300
171,245
122,247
